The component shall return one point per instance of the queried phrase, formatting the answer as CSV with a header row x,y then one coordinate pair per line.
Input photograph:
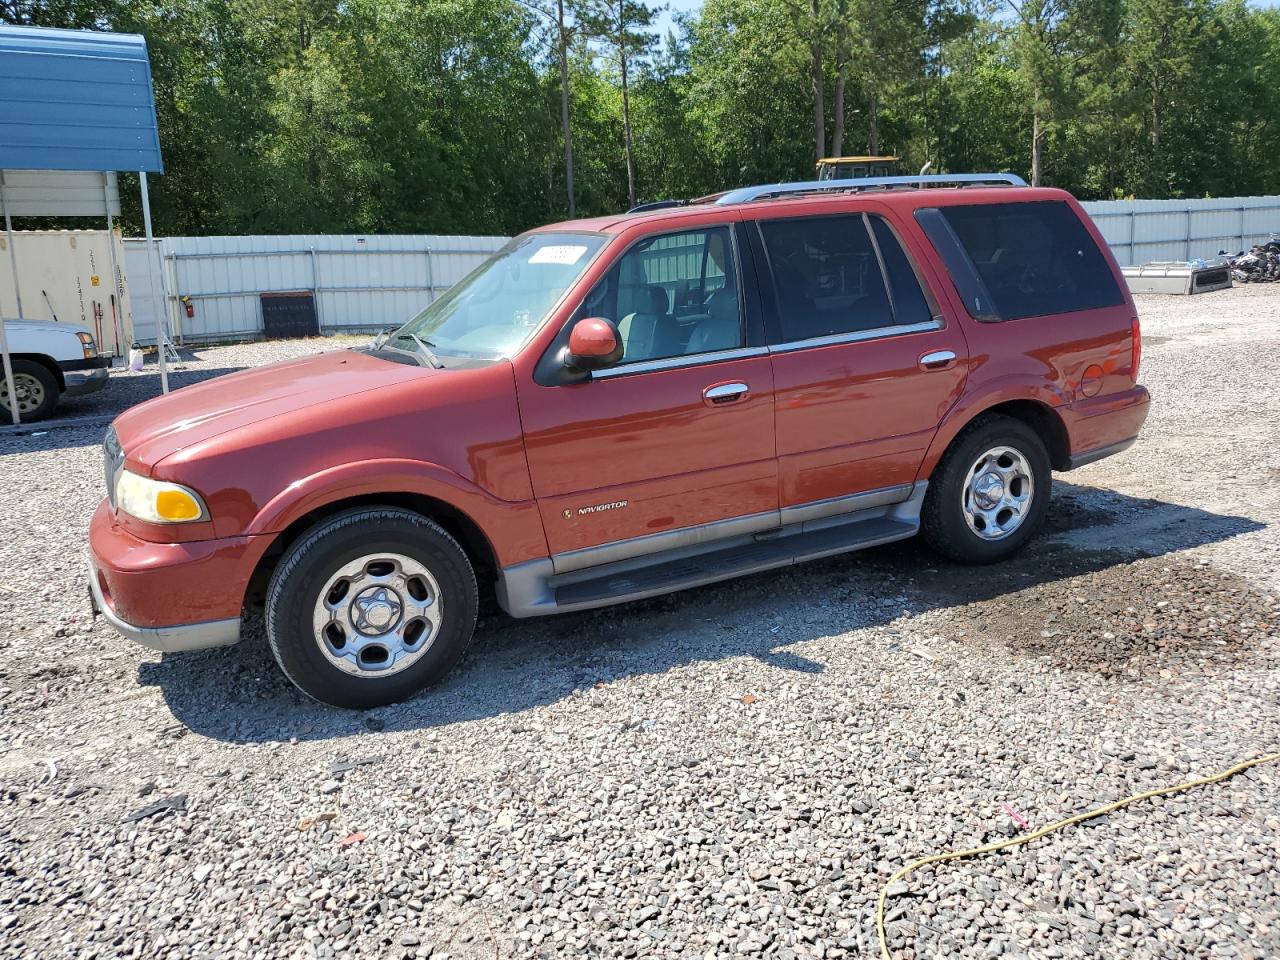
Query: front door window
x,y
672,295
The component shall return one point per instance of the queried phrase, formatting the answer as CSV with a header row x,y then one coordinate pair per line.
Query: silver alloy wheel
x,y
29,392
997,494
377,615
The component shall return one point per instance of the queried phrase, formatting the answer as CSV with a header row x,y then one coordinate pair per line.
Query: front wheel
x,y
371,606
36,389
989,493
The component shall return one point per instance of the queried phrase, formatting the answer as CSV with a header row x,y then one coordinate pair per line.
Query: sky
x,y
665,22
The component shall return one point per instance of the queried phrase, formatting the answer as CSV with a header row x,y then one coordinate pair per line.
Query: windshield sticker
x,y
564,253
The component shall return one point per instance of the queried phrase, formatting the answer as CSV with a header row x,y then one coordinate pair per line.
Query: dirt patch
x,y
1068,513
1127,618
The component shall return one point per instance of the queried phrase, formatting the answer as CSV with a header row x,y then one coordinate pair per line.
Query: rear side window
x,y
1032,259
829,277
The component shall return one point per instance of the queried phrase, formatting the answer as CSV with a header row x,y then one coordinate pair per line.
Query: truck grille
x,y
113,463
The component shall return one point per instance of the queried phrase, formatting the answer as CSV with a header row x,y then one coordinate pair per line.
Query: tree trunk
x,y
819,93
626,108
842,71
1037,146
564,104
873,124
837,131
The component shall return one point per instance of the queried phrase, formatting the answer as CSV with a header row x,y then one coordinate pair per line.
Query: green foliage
x,y
444,115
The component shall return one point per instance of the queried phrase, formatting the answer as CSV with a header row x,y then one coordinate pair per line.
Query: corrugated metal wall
x,y
1139,231
360,284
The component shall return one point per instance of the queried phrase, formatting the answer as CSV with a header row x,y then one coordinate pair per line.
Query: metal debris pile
x,y
1259,265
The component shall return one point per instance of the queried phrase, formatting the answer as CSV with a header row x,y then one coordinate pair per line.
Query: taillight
x,y
1136,331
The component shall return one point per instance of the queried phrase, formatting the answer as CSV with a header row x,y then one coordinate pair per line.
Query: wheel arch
x,y
457,523
1038,414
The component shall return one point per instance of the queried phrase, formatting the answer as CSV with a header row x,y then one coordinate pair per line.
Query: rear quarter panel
x,y
1058,360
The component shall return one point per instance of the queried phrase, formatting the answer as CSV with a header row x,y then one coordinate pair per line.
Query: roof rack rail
x,y
746,194
657,205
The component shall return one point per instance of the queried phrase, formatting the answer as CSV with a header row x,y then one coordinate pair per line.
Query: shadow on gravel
x,y
1086,587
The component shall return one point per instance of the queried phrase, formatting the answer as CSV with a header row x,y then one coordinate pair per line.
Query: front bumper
x,y
169,596
91,381
175,639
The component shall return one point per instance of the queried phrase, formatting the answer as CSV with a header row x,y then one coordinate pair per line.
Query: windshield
x,y
499,305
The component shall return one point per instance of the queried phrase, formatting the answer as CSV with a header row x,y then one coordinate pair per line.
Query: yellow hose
x,y
1037,834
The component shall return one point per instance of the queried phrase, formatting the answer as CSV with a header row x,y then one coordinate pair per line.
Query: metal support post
x,y
162,308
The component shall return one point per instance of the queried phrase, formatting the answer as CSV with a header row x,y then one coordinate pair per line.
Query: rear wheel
x,y
36,388
989,493
371,606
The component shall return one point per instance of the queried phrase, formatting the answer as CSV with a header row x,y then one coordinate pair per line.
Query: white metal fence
x,y
362,284
359,284
1139,231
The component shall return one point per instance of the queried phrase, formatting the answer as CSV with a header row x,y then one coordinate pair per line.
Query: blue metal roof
x,y
76,100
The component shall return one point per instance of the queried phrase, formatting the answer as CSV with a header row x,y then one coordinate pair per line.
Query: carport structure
x,y
74,104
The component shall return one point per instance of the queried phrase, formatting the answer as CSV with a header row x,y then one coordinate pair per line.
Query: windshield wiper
x,y
424,348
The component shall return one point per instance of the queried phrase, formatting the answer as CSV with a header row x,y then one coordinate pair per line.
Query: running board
x,y
533,589
767,553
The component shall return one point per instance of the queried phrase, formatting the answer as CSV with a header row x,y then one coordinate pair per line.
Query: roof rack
x,y
657,205
746,194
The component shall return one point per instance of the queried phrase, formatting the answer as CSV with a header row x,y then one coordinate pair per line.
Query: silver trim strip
x,y
671,540
674,363
818,509
529,589
176,639
856,336
663,542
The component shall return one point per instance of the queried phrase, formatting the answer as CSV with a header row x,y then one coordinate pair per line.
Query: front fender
x,y
1048,394
513,529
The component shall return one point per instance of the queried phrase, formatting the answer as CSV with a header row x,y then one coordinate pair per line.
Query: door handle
x,y
937,360
719,394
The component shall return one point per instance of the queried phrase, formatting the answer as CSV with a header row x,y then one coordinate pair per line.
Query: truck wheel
x,y
371,606
37,390
989,493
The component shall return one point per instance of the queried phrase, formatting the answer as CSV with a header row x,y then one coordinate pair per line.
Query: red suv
x,y
615,408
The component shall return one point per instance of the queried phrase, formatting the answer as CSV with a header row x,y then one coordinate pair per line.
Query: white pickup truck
x,y
50,360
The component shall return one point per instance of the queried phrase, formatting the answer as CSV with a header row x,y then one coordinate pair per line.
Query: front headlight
x,y
87,345
158,501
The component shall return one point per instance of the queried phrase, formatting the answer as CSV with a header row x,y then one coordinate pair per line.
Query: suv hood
x,y
161,427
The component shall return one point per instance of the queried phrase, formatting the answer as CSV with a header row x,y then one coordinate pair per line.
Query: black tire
x,y
309,564
942,520
30,378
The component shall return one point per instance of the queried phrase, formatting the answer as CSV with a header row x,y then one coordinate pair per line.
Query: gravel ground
x,y
730,771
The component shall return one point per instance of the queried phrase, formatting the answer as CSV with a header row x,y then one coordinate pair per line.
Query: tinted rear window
x,y
826,276
1033,258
